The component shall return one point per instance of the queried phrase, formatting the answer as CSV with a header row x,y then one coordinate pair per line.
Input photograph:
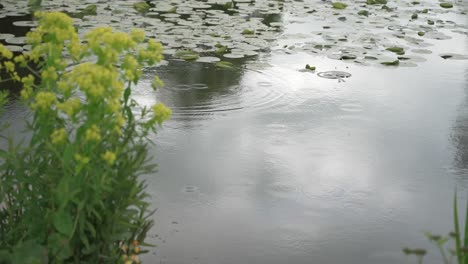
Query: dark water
x,y
266,163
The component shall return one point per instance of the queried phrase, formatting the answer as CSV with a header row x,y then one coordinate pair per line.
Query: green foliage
x,y
339,5
446,5
310,68
376,2
71,193
397,50
459,240
141,7
391,63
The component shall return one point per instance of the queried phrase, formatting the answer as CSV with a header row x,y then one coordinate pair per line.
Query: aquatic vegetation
x,y
397,50
248,32
459,237
391,63
339,5
141,7
187,54
224,65
363,13
311,68
83,200
376,2
421,33
446,5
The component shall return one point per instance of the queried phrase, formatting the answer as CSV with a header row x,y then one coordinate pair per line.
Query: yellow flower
x,y
109,157
70,107
58,136
9,66
81,159
157,83
93,134
49,74
161,113
4,52
137,35
44,101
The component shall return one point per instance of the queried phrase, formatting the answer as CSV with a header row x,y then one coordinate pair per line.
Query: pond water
x,y
267,162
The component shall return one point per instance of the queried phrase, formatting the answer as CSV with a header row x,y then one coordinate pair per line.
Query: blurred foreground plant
x,y
459,239
71,192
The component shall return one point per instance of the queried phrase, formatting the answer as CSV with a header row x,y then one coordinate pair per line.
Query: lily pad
x,y
376,2
310,68
141,7
446,5
397,50
248,32
224,65
363,13
391,63
339,5
187,54
348,57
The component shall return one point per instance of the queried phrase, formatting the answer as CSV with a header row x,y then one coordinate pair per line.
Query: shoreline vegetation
x,y
72,193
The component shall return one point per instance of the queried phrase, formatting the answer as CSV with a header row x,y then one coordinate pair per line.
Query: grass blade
x,y
457,230
465,242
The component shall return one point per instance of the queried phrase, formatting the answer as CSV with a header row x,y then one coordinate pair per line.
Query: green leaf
x,y
457,229
339,5
63,223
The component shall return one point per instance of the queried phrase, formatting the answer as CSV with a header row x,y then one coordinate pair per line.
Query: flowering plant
x,y
72,193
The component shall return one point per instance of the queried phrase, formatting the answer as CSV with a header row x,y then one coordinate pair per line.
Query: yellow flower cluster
x,y
81,159
59,136
70,107
152,53
44,101
161,113
49,74
109,157
6,53
93,134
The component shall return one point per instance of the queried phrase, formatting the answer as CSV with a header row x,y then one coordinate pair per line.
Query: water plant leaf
x,y
446,5
224,65
339,5
90,10
311,68
248,32
187,54
141,7
391,63
363,13
397,50
376,2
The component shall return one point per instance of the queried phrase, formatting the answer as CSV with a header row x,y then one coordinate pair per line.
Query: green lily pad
x,y
221,49
397,50
430,22
90,10
391,63
376,2
339,5
310,68
224,65
348,57
414,16
421,33
363,13
141,7
187,54
446,5
248,32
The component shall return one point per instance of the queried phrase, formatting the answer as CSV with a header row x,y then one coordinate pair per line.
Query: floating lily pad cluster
x,y
370,32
